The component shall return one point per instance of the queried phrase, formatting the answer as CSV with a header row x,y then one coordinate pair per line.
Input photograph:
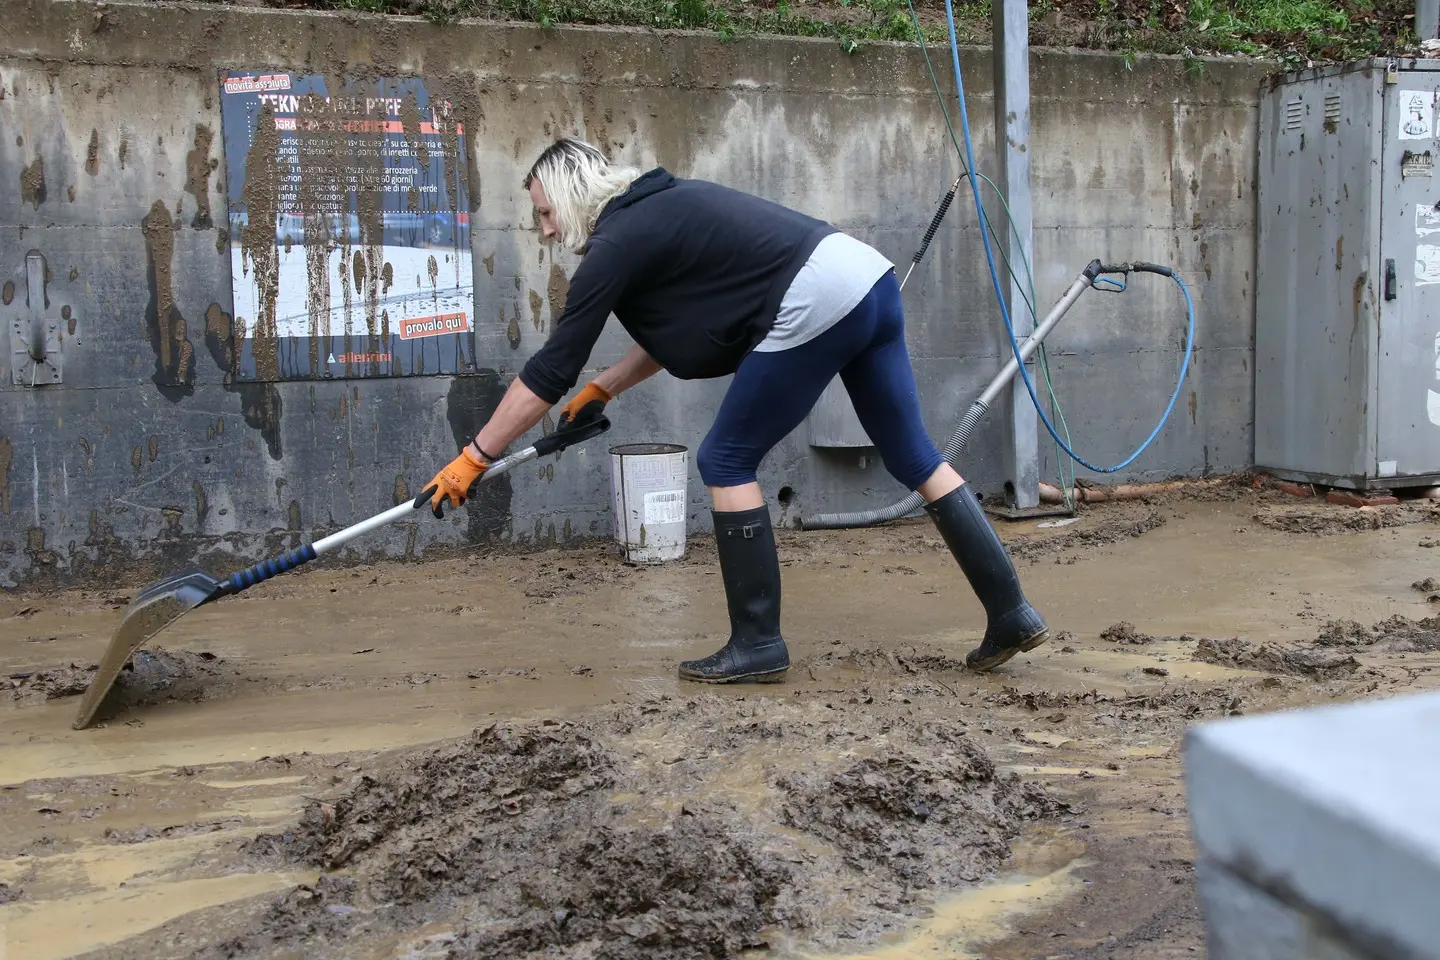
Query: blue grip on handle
x,y
266,569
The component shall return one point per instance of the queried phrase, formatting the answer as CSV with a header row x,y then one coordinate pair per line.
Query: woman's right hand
x,y
454,481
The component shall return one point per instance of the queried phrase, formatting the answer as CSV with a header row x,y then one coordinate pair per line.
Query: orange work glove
x,y
453,483
586,405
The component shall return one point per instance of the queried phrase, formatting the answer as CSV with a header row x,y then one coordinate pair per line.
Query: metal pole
x,y
1427,19
1011,42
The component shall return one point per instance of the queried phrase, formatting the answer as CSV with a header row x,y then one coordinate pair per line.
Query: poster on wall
x,y
349,228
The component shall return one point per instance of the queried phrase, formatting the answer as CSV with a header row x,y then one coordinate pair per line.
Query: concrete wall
x,y
111,147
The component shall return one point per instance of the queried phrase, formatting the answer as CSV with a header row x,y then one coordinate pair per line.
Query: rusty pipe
x,y
1049,493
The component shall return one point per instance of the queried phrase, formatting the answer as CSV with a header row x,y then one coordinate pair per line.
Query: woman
x,y
709,282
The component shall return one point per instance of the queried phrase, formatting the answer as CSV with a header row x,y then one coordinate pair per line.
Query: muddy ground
x,y
495,759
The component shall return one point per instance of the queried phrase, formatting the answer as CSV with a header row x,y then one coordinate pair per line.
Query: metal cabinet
x,y
1347,299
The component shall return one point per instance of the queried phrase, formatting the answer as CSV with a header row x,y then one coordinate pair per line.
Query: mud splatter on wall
x,y
199,165
260,403
261,196
169,338
468,405
410,121
219,339
92,153
32,184
260,406
741,125
7,454
557,290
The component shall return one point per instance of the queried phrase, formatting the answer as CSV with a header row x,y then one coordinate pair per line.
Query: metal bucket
x,y
648,482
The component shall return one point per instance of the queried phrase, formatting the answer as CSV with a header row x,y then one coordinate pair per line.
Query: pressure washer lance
x,y
934,226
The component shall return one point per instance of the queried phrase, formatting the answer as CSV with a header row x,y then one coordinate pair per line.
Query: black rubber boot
x,y
1014,625
751,571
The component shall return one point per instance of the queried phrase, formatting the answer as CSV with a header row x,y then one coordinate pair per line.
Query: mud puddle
x,y
1046,875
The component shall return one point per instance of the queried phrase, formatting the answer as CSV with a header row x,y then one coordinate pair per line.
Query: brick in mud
x,y
1296,489
1349,498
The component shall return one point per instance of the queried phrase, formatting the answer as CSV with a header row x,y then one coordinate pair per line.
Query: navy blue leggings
x,y
773,392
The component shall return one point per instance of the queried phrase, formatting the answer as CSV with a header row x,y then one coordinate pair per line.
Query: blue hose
x,y
1000,295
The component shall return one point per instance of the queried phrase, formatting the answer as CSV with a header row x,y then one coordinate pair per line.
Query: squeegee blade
x,y
152,610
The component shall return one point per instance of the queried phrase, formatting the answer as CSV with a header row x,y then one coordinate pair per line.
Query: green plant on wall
x,y
1288,32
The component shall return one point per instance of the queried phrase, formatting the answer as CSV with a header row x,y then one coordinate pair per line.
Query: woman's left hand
x,y
588,404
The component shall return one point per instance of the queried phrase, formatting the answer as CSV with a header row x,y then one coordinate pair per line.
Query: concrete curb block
x,y
1329,815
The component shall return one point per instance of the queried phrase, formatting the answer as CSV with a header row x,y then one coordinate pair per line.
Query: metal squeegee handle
x,y
274,566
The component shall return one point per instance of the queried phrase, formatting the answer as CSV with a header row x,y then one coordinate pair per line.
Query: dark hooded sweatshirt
x,y
694,272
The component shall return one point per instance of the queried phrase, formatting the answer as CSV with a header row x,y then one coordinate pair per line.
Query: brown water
x,y
136,838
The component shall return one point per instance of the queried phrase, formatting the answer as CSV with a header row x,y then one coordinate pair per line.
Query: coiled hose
x,y
1091,277
866,518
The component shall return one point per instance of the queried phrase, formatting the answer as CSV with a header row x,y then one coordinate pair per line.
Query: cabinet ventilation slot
x,y
1294,114
1332,108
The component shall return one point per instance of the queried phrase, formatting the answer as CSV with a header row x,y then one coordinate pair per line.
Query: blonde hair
x,y
579,182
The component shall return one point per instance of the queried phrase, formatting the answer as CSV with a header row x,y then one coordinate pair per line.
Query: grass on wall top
x,y
1291,33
